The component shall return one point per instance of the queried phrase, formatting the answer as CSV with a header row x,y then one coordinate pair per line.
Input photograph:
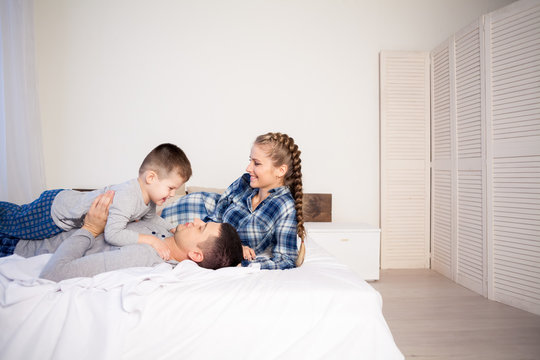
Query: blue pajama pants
x,y
30,221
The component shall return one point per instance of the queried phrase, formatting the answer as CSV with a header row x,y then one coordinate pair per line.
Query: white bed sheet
x,y
318,311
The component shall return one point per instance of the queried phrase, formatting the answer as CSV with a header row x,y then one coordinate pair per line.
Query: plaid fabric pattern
x,y
31,221
7,245
271,226
192,206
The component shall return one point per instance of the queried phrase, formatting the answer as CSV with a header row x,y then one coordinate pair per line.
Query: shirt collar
x,y
279,191
273,192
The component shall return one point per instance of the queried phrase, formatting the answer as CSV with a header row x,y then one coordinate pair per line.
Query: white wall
x,y
118,77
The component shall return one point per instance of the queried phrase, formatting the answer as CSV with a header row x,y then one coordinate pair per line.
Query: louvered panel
x,y
406,219
516,230
515,75
470,233
441,222
470,229
514,47
509,72
508,33
468,94
514,95
507,79
441,146
404,160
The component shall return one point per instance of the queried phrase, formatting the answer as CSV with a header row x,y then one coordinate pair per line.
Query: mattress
x,y
318,311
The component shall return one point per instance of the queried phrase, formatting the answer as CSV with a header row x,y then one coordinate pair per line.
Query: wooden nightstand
x,y
354,244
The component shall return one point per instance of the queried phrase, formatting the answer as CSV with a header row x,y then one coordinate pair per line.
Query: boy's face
x,y
162,189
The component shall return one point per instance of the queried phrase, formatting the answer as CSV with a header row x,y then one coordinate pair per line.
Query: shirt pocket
x,y
257,232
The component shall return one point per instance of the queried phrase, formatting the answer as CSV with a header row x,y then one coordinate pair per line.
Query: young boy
x,y
161,173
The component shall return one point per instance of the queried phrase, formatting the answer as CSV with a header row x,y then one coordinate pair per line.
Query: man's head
x,y
211,245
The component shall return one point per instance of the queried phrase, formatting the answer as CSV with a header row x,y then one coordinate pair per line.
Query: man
x,y
83,252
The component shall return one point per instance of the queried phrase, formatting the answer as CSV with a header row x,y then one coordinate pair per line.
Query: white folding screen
x,y
513,116
486,156
404,159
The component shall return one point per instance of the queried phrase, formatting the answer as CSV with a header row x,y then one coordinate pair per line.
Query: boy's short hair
x,y
166,158
223,250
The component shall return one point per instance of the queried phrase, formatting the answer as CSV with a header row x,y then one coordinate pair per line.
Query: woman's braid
x,y
293,179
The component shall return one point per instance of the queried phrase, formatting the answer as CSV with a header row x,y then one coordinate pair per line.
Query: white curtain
x,y
22,175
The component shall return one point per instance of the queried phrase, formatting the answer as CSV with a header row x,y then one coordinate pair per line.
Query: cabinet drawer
x,y
355,245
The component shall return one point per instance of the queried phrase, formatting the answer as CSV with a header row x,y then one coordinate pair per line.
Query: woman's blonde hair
x,y
283,150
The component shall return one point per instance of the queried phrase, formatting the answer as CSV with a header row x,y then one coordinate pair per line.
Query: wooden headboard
x,y
317,207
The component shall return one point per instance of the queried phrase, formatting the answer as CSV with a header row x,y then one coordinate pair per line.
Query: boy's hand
x,y
161,248
173,230
96,218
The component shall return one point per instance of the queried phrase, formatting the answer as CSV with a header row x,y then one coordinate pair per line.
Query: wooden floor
x,y
431,317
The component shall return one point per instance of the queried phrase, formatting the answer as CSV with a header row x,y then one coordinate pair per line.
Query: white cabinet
x,y
356,245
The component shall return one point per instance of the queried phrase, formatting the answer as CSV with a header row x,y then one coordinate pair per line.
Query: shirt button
x,y
153,233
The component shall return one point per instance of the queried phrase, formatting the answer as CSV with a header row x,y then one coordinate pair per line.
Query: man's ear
x,y
195,255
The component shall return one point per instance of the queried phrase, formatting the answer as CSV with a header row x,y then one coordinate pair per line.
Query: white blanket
x,y
319,310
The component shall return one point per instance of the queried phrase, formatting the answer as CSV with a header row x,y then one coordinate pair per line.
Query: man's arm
x,y
96,218
68,261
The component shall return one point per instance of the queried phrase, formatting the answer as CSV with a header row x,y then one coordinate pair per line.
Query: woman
x,y
264,205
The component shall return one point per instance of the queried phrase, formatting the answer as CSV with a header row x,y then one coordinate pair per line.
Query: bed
x,y
318,311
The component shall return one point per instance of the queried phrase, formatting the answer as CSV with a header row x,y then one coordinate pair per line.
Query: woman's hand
x,y
249,254
96,218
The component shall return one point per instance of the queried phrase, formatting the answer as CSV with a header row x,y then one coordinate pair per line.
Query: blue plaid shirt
x,y
271,226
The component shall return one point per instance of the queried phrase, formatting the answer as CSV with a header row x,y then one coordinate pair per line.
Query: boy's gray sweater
x,y
69,208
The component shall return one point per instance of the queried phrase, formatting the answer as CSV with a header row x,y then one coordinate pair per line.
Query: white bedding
x,y
318,311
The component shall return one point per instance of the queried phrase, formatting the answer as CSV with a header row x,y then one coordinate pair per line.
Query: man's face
x,y
188,236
